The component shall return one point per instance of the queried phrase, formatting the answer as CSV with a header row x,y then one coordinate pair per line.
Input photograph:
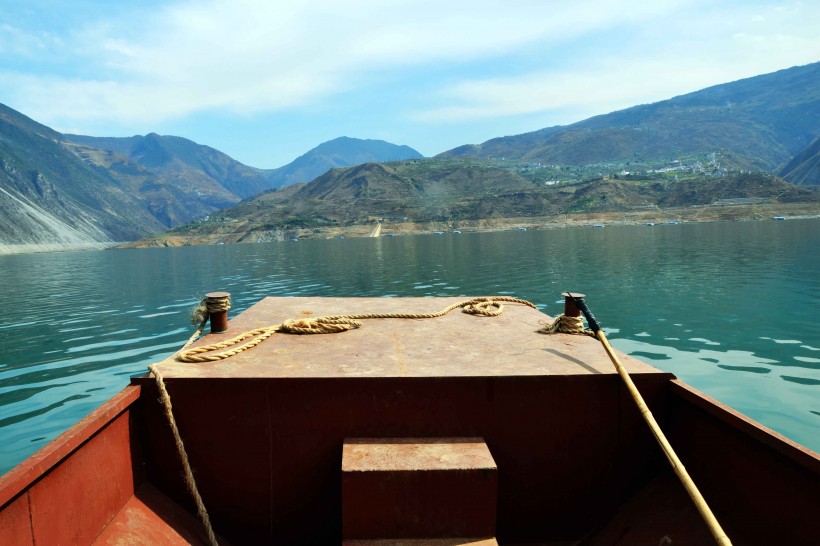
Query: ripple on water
x,y
650,355
808,359
80,329
800,380
17,325
751,369
632,268
187,303
154,315
704,341
121,342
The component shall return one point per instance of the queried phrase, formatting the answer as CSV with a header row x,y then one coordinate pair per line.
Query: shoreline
x,y
683,215
32,248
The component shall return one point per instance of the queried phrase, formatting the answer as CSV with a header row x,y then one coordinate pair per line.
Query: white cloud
x,y
255,56
688,52
258,56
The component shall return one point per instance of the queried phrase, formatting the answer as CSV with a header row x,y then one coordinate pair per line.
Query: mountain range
x,y
64,190
72,189
433,195
761,123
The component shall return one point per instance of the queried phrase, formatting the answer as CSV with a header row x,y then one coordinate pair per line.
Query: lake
x,y
730,308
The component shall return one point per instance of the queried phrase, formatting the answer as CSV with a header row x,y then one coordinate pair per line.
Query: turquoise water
x,y
728,307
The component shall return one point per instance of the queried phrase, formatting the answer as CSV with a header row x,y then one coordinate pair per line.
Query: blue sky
x,y
265,81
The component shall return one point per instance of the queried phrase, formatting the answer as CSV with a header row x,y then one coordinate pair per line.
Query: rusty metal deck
x,y
455,345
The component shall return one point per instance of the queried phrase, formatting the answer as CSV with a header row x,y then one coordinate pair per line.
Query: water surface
x,y
727,307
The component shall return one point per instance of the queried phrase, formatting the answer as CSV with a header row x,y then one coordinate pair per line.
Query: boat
x,y
778,217
446,428
598,225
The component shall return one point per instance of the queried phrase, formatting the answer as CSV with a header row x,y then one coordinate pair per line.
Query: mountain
x,y
757,123
68,190
191,164
50,196
419,190
447,193
340,152
695,149
804,168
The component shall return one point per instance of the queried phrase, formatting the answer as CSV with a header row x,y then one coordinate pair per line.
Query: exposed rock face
x,y
804,168
49,196
71,191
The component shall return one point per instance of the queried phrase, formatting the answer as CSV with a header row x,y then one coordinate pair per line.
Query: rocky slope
x,y
760,123
452,194
48,195
72,191
804,168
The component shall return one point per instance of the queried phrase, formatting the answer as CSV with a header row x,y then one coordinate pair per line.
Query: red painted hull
x,y
575,462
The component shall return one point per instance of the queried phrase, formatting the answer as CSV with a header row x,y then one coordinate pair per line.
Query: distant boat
x,y
598,225
649,224
672,223
378,231
439,233
456,231
778,217
522,229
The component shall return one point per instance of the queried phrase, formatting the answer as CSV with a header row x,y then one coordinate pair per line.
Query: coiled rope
x,y
487,306
199,315
565,324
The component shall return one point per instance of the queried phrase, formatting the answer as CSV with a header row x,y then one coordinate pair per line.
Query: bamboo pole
x,y
700,503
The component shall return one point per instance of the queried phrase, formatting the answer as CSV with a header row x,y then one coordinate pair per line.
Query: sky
x,y
265,81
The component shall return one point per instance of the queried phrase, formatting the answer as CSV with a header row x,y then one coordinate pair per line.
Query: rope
x,y
488,307
202,312
165,398
677,466
565,324
207,305
339,323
